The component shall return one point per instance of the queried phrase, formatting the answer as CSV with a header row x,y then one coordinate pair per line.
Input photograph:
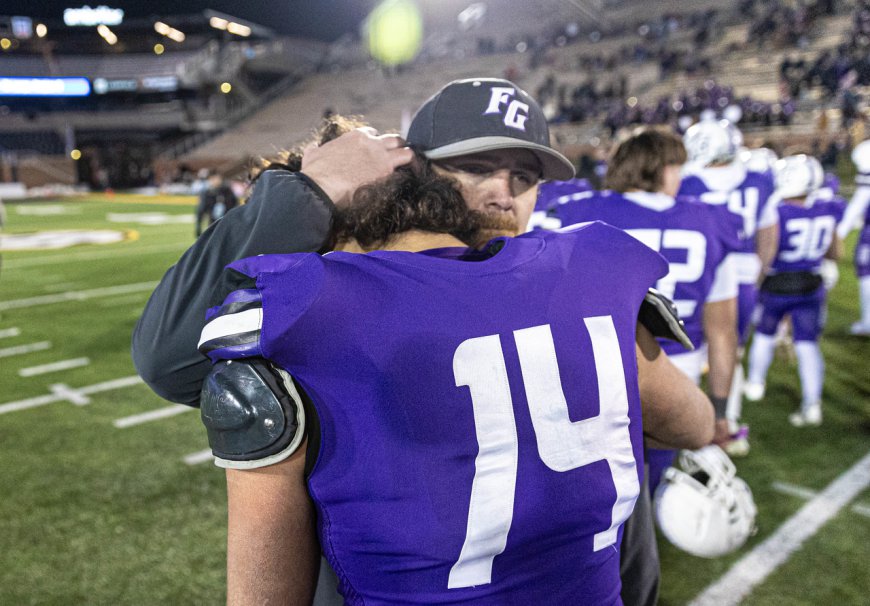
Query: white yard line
x,y
91,255
20,350
753,568
65,392
134,299
77,295
795,491
197,458
58,397
807,494
145,417
42,369
9,332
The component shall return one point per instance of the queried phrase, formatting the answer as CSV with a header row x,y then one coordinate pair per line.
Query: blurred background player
x,y
794,284
715,174
215,200
697,239
857,215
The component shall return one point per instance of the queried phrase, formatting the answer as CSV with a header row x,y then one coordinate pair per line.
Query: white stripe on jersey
x,y
232,324
725,282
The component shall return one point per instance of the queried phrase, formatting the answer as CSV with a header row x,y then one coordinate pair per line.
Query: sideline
x,y
806,494
753,568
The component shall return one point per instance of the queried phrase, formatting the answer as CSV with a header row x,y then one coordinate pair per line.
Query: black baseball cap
x,y
485,114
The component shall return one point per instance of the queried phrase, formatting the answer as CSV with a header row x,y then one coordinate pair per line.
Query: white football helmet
x,y
712,142
861,156
704,508
758,160
798,176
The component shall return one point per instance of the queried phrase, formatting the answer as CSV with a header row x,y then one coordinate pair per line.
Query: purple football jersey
x,y
480,420
553,193
750,199
695,238
805,234
550,194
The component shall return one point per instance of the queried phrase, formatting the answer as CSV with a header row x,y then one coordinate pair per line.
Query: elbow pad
x,y
253,414
659,315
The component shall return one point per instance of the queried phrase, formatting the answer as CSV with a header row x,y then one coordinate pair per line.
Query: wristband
x,y
720,405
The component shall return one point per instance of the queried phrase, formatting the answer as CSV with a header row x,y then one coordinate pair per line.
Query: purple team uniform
x,y
550,193
480,423
793,285
750,196
695,238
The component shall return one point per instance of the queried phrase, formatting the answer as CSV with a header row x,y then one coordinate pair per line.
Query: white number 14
x,y
563,445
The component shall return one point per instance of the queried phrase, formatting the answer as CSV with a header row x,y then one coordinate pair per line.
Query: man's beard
x,y
495,226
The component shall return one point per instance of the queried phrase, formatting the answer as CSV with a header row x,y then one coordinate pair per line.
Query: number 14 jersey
x,y
480,419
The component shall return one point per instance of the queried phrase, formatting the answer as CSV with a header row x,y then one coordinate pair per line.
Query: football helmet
x,y
712,142
758,160
798,176
861,156
702,507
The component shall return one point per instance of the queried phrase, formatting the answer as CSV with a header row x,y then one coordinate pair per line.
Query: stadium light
x,y
107,34
5,43
158,49
229,26
168,31
41,30
75,154
226,87
238,29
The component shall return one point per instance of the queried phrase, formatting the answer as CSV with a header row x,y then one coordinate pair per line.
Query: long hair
x,y
332,127
639,162
414,197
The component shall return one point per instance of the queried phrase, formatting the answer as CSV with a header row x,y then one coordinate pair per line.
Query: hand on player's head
x,y
360,156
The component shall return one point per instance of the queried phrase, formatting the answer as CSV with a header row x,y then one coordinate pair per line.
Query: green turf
x,y
92,514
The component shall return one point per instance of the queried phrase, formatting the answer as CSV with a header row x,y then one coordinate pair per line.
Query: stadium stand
x,y
596,67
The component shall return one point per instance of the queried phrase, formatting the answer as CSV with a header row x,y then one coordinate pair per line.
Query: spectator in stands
x,y
215,201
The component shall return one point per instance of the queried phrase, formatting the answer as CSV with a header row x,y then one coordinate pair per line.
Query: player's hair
x,y
332,127
639,162
413,197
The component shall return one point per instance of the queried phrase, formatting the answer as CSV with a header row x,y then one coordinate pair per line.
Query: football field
x,y
108,494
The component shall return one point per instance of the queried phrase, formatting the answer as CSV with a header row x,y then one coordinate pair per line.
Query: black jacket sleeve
x,y
286,213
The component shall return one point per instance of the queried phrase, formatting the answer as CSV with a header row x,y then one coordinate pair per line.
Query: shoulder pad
x,y
659,315
253,414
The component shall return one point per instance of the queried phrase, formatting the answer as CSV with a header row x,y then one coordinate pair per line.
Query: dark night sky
x,y
322,19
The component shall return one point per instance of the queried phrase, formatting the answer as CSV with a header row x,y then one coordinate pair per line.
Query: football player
x,y
453,401
715,174
697,240
794,283
858,216
487,135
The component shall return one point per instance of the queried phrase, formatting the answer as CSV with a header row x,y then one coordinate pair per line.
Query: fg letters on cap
x,y
485,114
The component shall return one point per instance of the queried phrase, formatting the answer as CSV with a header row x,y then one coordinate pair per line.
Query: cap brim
x,y
554,166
